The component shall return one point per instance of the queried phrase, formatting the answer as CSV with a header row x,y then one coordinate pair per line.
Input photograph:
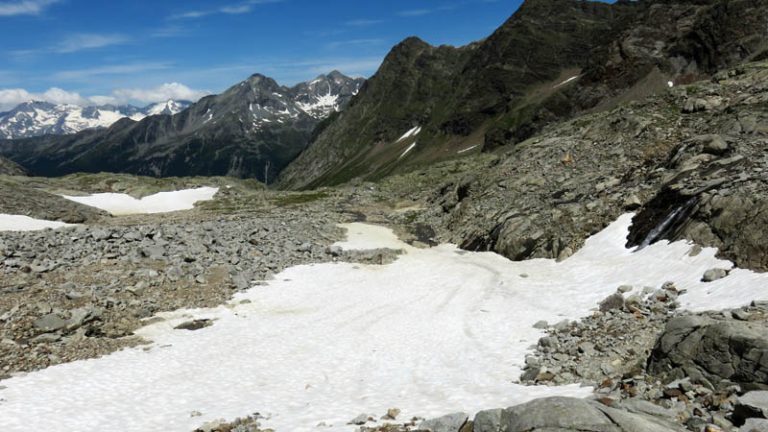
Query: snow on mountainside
x,y
43,118
169,107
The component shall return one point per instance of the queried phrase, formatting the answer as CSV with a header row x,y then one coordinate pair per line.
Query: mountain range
x,y
253,129
36,118
550,61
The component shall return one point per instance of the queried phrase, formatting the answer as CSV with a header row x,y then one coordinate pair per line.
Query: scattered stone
x,y
612,302
360,420
194,325
712,275
391,414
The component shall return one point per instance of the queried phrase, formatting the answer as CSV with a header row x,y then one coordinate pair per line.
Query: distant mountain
x,y
31,119
253,129
550,61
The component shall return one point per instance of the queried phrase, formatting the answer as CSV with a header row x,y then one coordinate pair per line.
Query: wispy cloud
x,y
355,42
25,7
84,41
232,9
442,8
125,69
363,22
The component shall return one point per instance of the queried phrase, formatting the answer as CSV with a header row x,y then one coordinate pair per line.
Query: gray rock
x,y
612,302
153,252
712,144
359,420
712,351
755,425
541,325
51,323
488,421
448,423
714,274
568,414
82,316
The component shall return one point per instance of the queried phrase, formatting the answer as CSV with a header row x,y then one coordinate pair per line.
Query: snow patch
x,y
566,81
439,330
467,149
26,223
163,202
408,150
413,132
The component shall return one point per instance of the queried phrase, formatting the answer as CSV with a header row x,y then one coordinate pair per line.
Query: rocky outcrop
x,y
11,168
716,351
19,199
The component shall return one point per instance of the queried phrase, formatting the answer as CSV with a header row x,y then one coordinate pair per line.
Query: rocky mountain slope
x,y
9,167
690,161
251,130
32,119
550,60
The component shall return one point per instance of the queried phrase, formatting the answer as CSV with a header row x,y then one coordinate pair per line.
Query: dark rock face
x,y
714,351
251,130
551,60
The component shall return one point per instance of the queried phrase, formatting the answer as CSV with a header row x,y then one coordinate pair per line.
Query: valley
x,y
558,227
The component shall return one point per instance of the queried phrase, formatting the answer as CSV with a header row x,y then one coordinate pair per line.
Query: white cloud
x,y
84,41
233,9
9,98
158,94
24,7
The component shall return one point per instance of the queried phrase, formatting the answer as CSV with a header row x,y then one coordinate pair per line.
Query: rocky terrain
x,y
693,155
80,292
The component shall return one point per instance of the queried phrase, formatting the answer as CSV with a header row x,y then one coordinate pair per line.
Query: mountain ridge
x,y
548,62
252,129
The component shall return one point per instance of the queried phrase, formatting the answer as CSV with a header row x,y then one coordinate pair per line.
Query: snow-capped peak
x,y
169,107
37,118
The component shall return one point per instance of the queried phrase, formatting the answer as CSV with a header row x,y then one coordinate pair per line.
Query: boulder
x,y
448,423
714,274
570,414
711,351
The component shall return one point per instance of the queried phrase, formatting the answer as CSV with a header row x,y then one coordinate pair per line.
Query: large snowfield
x,y
122,204
439,330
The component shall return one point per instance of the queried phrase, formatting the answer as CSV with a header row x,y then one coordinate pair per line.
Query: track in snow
x,y
437,331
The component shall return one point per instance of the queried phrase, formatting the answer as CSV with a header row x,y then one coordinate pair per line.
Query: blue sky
x,y
142,51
